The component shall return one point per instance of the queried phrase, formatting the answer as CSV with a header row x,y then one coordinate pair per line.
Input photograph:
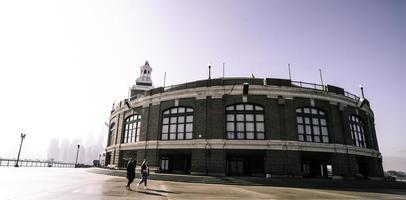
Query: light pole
x,y
77,154
99,160
19,151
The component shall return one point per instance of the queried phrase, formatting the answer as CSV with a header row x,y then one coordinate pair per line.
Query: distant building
x,y
245,126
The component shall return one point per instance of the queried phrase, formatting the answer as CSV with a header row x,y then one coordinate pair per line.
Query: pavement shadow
x,y
163,191
149,193
372,186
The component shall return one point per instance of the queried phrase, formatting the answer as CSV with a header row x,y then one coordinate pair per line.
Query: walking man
x,y
144,174
130,172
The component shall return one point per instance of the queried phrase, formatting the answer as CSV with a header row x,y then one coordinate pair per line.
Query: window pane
x,y
189,136
174,110
324,130
240,135
260,136
314,111
181,110
249,107
230,126
166,112
230,135
259,117
165,129
189,118
301,138
181,128
180,136
325,139
321,112
307,120
299,110
181,119
249,117
230,117
250,135
315,121
172,136
173,120
240,126
189,127
165,120
260,127
323,122
240,117
306,110
317,138
173,128
309,138
240,107
259,108
250,127
316,130
230,108
164,136
299,120
189,109
308,129
300,129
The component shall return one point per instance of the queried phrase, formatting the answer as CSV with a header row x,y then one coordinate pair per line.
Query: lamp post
x,y
19,151
209,71
99,160
77,154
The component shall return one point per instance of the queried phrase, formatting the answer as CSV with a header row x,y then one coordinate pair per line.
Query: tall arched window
x,y
357,131
245,121
311,125
177,124
111,133
132,129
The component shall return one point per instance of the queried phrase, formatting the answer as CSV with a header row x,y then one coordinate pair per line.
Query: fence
x,y
31,163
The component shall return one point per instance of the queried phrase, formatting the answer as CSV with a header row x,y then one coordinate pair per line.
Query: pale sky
x,y
63,63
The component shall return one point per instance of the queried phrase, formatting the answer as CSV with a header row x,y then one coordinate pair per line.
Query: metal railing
x,y
352,96
31,163
308,85
225,81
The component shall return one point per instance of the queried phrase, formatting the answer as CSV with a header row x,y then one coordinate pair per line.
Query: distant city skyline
x,y
63,64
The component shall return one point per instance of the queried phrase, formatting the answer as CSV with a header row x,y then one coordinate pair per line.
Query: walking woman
x,y
130,172
144,174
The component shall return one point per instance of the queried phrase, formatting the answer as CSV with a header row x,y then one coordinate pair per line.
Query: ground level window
x,y
164,163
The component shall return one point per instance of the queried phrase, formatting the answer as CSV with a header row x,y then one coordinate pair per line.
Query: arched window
x,y
311,125
111,133
357,131
245,121
132,129
177,124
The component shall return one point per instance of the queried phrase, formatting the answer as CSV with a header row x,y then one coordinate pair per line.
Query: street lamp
x,y
19,151
99,160
77,154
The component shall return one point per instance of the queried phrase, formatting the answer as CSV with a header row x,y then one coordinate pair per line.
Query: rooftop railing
x,y
251,81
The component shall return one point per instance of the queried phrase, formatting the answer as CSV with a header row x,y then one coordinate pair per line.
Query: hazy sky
x,y
63,63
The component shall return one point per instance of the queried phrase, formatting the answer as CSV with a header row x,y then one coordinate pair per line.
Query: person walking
x,y
130,172
144,174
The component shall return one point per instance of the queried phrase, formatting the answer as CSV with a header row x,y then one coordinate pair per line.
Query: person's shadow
x,y
154,192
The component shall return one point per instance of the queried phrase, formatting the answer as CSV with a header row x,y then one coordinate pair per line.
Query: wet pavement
x,y
69,183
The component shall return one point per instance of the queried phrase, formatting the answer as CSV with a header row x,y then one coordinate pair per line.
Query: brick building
x,y
245,126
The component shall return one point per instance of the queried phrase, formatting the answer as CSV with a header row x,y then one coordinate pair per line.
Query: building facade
x,y
245,127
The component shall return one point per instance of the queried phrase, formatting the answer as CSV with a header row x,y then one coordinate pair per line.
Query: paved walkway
x,y
53,183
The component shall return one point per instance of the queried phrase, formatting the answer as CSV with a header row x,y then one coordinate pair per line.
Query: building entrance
x,y
245,165
175,163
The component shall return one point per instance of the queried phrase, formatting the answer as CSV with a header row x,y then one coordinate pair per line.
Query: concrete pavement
x,y
59,183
